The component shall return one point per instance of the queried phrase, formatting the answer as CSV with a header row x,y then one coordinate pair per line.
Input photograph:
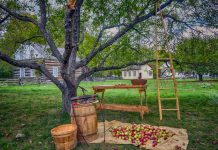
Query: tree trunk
x,y
200,77
68,70
66,98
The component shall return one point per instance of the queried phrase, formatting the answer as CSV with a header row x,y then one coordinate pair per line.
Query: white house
x,y
133,72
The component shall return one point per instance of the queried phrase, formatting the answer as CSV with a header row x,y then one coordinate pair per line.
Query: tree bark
x,y
200,77
68,70
67,94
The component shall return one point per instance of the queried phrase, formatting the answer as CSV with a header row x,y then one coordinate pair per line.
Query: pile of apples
x,y
140,134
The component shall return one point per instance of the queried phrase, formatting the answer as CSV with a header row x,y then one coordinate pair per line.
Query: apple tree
x,y
106,35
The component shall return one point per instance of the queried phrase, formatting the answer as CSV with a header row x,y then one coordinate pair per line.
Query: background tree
x,y
5,70
112,30
16,32
199,55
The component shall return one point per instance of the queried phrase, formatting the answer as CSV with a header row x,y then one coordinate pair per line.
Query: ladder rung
x,y
169,109
166,88
172,98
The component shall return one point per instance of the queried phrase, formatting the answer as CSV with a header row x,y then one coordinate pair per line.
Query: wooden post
x,y
158,86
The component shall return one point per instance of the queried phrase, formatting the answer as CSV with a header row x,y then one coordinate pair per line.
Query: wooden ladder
x,y
170,68
159,88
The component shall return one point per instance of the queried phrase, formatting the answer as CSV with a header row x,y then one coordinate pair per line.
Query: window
x,y
55,71
32,54
134,73
32,73
124,73
22,72
130,73
150,72
140,76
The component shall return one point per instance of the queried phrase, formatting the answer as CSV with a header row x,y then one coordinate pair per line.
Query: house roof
x,y
44,50
136,67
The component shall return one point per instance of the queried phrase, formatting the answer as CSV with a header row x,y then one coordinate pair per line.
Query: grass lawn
x,y
34,109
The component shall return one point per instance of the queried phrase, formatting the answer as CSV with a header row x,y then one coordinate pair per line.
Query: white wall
x,y
132,75
144,70
147,72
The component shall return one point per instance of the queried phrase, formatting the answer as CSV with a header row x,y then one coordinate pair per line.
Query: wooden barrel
x,y
86,120
65,136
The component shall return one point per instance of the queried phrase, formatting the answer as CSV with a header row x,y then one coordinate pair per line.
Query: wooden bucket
x,y
86,120
65,136
138,81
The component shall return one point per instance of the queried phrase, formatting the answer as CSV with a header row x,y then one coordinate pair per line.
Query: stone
x,y
20,135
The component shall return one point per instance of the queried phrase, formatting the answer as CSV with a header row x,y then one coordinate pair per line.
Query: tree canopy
x,y
199,55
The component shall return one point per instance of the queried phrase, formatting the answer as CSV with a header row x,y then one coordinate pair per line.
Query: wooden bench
x,y
130,108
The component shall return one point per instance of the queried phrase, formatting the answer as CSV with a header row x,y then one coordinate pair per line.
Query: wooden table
x,y
131,108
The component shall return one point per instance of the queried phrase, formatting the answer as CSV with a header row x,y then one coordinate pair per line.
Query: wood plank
x,y
119,87
121,107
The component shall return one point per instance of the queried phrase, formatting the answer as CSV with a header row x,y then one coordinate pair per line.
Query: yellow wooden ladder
x,y
170,69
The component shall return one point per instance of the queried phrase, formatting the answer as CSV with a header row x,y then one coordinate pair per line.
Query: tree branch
x,y
42,5
45,33
101,33
33,37
4,19
120,34
135,49
52,78
51,43
104,59
18,16
32,65
98,69
180,21
41,26
14,62
139,32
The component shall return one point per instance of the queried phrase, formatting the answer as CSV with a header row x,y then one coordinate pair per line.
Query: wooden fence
x,y
6,82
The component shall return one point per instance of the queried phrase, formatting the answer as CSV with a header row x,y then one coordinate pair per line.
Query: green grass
x,y
35,109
